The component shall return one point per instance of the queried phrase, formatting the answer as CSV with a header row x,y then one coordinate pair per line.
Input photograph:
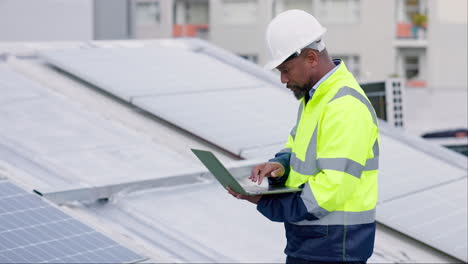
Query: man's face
x,y
295,75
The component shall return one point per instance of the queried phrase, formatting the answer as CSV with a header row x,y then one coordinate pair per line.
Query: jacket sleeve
x,y
283,158
287,207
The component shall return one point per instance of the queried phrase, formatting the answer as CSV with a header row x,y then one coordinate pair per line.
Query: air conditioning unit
x,y
387,98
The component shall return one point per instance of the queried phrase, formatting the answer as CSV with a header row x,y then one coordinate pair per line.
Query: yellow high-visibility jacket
x,y
333,155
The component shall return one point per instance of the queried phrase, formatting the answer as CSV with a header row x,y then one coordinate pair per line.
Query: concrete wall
x,y
447,49
371,39
46,20
111,19
241,38
161,30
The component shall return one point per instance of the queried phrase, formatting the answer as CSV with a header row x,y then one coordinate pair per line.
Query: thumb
x,y
278,172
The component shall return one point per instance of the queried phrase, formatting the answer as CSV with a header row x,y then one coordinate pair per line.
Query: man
x,y
331,153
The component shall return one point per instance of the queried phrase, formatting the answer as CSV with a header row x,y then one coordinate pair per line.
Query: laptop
x,y
227,180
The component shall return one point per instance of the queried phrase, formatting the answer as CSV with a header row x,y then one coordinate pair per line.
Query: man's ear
x,y
312,57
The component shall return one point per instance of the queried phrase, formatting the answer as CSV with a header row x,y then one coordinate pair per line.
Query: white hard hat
x,y
291,31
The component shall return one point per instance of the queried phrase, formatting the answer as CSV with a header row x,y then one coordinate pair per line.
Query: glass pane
x,y
198,12
148,13
412,60
283,5
411,74
240,11
339,11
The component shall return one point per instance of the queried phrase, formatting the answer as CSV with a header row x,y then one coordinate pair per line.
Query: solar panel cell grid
x,y
32,231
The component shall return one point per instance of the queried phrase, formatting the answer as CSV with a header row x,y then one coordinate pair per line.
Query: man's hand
x,y
250,198
268,169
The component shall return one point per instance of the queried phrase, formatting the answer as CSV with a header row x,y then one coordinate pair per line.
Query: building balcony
x,y
410,31
416,83
412,20
191,30
410,35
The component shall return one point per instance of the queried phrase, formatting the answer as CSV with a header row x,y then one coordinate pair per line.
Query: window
x,y
283,5
339,11
411,67
352,63
148,12
191,19
198,12
240,12
407,9
191,12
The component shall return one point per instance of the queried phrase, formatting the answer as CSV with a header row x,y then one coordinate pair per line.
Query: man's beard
x,y
299,91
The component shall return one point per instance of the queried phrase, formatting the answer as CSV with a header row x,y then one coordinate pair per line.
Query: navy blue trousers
x,y
291,260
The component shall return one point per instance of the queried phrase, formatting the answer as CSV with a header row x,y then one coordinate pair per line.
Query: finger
x,y
233,193
264,172
255,171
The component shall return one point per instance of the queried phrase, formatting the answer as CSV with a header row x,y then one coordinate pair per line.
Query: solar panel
x,y
55,135
167,79
32,231
234,119
405,169
436,216
153,70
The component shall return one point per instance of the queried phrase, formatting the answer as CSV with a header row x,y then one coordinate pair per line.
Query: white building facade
x,y
422,41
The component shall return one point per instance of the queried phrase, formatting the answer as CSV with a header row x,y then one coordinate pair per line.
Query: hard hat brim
x,y
274,63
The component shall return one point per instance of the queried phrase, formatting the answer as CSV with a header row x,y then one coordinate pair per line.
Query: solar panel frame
x,y
33,230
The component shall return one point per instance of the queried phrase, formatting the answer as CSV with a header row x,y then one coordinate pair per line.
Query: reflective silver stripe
x,y
293,132
299,113
373,164
375,148
309,166
311,203
342,218
341,164
350,91
350,166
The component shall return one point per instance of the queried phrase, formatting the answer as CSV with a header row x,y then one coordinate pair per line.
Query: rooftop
x,y
115,120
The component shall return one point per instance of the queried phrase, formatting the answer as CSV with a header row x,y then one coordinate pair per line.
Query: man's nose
x,y
284,78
